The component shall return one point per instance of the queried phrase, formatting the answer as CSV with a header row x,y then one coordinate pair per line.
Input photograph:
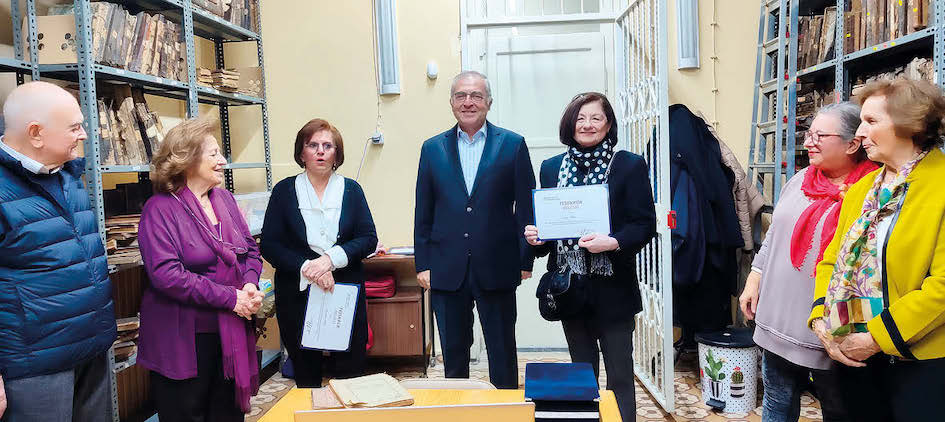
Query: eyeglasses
x,y
817,137
327,146
476,96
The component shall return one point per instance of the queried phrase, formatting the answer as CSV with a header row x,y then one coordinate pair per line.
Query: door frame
x,y
655,262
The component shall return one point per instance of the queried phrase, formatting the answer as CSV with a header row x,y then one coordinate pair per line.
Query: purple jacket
x,y
180,267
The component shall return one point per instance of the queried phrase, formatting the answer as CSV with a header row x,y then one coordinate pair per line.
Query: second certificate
x,y
571,212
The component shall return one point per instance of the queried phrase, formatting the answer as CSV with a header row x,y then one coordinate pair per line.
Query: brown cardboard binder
x,y
452,413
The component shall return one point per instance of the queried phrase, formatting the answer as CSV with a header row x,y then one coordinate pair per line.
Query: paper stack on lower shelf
x,y
121,233
127,342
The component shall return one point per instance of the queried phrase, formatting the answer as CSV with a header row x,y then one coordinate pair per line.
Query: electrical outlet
x,y
377,138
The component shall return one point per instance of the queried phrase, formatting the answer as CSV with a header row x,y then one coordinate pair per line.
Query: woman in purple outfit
x,y
203,267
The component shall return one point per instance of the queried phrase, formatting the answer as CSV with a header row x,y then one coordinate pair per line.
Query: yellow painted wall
x,y
320,63
736,39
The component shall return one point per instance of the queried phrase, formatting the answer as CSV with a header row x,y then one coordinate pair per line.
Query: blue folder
x,y
560,382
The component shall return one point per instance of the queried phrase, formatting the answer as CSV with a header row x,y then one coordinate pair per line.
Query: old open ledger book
x,y
378,390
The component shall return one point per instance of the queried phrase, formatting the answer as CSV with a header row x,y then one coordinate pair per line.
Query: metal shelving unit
x,y
771,160
195,23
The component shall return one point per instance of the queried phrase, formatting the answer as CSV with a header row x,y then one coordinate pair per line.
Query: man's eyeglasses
x,y
476,96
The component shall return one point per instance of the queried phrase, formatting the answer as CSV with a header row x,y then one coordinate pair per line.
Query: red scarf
x,y
825,195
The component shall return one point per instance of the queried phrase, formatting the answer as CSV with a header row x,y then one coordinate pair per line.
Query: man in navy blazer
x,y
473,201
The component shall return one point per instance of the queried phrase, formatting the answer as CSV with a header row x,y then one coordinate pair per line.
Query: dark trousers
x,y
207,398
785,382
894,391
497,315
309,366
588,338
79,394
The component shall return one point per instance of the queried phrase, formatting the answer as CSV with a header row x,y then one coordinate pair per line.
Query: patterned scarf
x,y
855,292
826,198
580,167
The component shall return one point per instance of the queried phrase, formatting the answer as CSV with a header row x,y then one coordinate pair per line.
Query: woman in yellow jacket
x,y
879,299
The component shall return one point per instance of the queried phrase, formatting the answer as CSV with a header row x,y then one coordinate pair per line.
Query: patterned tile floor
x,y
689,404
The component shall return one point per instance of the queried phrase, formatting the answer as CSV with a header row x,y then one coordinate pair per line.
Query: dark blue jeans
x,y
786,381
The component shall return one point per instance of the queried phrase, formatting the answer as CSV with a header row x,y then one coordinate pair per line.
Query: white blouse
x,y
321,219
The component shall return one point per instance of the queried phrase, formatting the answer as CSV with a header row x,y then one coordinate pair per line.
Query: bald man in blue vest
x,y
57,319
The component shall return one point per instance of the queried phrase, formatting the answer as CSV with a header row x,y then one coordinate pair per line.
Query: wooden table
x,y
301,399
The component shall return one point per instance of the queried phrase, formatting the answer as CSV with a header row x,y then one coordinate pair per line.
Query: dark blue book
x,y
567,411
560,382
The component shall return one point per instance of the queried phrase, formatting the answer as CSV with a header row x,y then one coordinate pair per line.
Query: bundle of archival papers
x,y
377,390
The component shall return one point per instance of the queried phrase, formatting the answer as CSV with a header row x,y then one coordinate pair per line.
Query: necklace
x,y
218,236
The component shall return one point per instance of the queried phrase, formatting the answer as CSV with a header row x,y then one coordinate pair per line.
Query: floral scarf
x,y
855,291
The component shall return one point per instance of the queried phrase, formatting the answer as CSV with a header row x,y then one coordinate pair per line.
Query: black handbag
x,y
561,295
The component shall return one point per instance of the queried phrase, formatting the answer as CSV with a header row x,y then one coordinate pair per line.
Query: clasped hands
x,y
594,242
248,301
318,272
851,349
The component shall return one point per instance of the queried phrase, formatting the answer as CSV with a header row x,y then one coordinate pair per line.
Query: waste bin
x,y
728,366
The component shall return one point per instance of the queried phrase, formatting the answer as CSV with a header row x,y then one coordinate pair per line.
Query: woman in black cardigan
x,y
606,261
317,229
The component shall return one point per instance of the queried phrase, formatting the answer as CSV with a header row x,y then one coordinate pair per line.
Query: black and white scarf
x,y
580,167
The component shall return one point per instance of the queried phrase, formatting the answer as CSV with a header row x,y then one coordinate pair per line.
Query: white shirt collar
x,y
28,163
480,134
308,199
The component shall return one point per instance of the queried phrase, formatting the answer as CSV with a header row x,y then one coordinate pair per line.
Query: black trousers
x,y
454,322
310,366
207,398
588,338
896,390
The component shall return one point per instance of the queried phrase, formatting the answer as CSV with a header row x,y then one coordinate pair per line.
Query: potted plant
x,y
737,387
713,370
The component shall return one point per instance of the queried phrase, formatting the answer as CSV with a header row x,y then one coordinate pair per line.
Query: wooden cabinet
x,y
397,323
403,324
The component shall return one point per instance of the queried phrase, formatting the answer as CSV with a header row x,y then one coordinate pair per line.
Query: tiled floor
x,y
689,403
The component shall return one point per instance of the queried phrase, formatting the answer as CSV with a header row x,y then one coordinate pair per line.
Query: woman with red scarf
x,y
779,290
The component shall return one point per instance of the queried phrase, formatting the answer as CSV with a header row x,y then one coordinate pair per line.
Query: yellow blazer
x,y
913,325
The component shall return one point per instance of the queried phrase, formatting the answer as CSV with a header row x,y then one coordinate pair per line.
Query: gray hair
x,y
849,116
472,74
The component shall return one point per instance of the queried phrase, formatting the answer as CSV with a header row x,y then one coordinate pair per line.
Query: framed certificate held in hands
x,y
329,318
571,212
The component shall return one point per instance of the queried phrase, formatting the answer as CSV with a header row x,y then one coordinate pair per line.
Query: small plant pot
x,y
737,390
716,388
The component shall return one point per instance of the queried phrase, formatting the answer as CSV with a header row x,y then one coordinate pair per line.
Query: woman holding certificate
x,y
317,229
601,263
